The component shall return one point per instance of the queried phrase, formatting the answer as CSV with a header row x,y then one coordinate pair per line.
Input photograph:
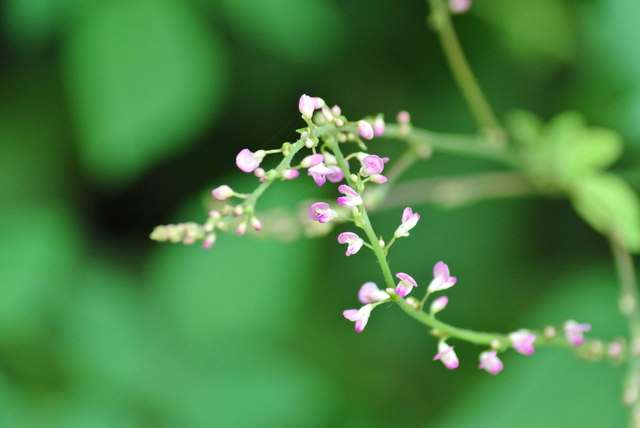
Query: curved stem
x,y
440,19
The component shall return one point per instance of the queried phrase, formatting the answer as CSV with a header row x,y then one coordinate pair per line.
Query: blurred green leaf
x,y
552,388
145,77
533,30
301,31
610,205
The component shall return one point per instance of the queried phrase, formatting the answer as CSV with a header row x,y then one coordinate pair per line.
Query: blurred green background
x,y
117,116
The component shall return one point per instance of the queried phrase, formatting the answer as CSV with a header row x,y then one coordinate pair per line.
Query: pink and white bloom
x,y
222,192
248,161
378,178
490,362
321,212
290,174
332,163
573,331
459,6
441,280
319,173
378,125
365,129
409,220
405,285
371,165
447,355
306,105
522,341
354,241
370,293
351,198
360,316
438,304
312,160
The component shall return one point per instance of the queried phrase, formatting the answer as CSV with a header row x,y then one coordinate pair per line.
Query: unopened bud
x,y
549,332
342,137
308,143
327,114
290,174
242,228
353,177
238,210
255,223
208,241
312,160
614,350
378,178
336,111
412,302
378,125
439,304
339,122
259,172
381,242
222,192
403,117
214,214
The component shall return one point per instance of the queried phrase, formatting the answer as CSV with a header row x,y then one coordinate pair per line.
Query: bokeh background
x,y
116,116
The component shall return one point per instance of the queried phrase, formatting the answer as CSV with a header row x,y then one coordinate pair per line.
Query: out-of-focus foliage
x,y
116,116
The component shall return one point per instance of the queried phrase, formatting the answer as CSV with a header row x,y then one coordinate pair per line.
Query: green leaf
x,y
609,205
145,77
301,31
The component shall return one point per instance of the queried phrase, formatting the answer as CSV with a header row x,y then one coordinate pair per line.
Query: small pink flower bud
x,y
614,350
439,304
378,178
403,117
490,362
306,106
255,223
308,143
522,341
405,285
573,331
351,198
336,111
549,332
208,241
409,220
242,228
248,161
321,212
327,114
222,192
259,172
378,125
360,316
312,160
290,174
238,210
215,214
354,241
365,129
370,293
447,355
318,102
459,6
441,280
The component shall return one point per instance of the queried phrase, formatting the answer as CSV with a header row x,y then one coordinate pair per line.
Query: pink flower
x,y
370,293
409,220
403,117
248,161
290,174
351,197
371,165
459,6
573,331
441,280
378,125
312,160
332,163
365,129
360,316
354,241
321,212
447,355
222,192
405,285
438,304
378,178
306,105
522,341
319,173
490,362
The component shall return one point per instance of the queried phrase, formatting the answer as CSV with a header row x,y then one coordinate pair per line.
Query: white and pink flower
x,y
365,129
490,362
321,212
447,355
441,280
573,331
370,293
409,221
405,285
351,198
354,242
522,341
360,316
248,161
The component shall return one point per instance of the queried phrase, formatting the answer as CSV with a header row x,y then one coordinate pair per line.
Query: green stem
x,y
440,18
629,307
